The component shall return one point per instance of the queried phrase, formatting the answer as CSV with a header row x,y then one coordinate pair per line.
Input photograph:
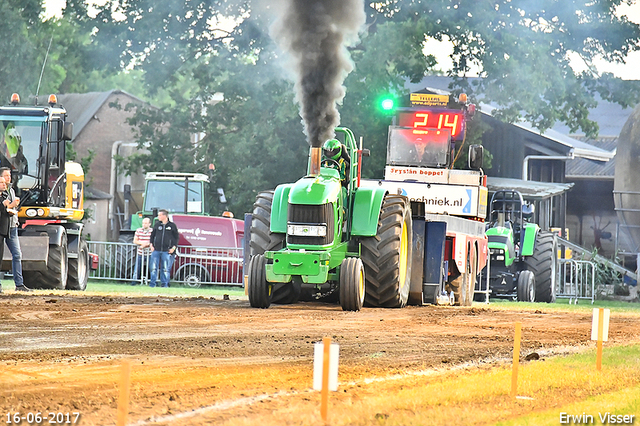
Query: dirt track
x,y
63,353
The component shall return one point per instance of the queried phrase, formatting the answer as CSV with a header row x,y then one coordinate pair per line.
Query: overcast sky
x,y
628,71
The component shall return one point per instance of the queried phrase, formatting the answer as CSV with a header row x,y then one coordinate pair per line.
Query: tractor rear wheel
x,y
543,263
262,240
387,256
526,287
78,275
352,284
258,288
125,256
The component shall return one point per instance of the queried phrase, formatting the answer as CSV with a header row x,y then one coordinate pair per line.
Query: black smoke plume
x,y
316,34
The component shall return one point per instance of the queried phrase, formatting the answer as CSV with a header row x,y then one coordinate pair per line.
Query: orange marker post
x,y
516,361
325,378
123,403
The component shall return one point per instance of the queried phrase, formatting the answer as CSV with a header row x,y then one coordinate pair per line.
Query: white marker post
x,y
600,332
325,371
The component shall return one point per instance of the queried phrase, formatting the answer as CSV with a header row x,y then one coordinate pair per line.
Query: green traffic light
x,y
387,104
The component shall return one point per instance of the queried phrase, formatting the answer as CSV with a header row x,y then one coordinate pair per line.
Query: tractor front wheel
x,y
352,284
526,287
262,240
78,274
258,287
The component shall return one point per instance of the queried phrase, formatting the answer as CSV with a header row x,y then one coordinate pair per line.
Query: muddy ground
x,y
206,361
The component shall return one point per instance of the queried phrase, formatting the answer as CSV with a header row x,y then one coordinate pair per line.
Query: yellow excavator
x,y
33,140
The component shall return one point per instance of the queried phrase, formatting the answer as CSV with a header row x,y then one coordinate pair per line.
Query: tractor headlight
x,y
497,254
307,230
31,212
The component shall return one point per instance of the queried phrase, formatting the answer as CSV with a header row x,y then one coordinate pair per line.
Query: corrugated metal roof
x,y
610,116
581,168
81,107
576,147
530,190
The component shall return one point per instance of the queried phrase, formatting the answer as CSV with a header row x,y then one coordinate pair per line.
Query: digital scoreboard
x,y
434,118
435,111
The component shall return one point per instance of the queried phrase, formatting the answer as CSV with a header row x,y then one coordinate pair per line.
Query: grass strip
x,y
568,384
480,396
592,410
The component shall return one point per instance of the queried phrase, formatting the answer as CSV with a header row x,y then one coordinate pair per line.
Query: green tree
x,y
254,137
523,49
18,69
384,60
56,55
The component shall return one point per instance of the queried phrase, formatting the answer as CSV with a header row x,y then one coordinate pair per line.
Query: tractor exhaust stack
x,y
315,156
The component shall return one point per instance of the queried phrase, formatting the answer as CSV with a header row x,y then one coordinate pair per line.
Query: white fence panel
x,y
576,280
192,266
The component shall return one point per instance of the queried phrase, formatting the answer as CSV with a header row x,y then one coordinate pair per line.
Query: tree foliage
x,y
189,51
523,50
56,55
18,69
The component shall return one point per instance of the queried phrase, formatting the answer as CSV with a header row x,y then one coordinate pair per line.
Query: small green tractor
x,y
523,257
324,236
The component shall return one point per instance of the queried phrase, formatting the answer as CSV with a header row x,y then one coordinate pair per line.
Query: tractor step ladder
x,y
579,272
586,254
483,279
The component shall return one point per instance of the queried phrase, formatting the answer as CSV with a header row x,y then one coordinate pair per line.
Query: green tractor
x,y
523,257
326,237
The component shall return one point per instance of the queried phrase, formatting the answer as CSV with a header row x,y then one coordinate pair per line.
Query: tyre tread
x,y
380,256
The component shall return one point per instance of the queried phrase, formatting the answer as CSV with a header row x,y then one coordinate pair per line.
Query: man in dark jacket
x,y
12,240
4,218
164,243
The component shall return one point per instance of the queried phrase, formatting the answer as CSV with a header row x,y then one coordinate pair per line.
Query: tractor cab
x,y
32,145
523,258
414,147
508,218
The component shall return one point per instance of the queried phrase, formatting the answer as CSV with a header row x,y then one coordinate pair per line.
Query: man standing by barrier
x,y
4,218
164,243
142,238
13,243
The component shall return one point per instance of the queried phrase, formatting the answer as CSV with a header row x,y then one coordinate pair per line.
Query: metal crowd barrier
x,y
193,266
482,286
576,280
